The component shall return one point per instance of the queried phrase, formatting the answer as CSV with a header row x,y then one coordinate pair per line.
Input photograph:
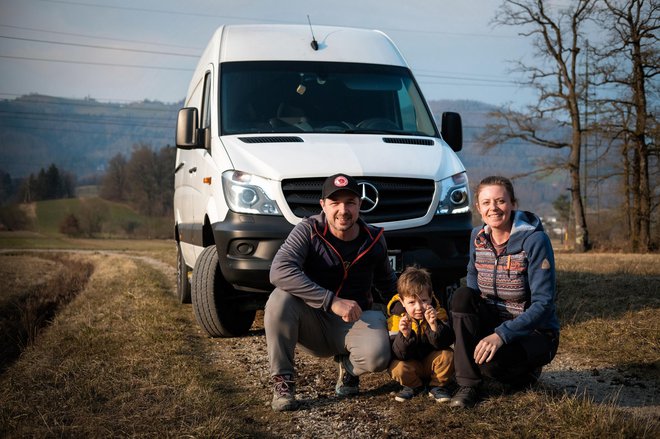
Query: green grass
x,y
51,213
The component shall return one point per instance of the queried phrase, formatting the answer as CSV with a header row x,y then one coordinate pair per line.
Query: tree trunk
x,y
626,188
582,243
636,212
639,101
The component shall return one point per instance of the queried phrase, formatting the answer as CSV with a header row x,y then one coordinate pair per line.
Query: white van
x,y
270,112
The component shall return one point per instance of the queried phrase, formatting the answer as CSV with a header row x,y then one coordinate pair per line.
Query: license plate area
x,y
394,257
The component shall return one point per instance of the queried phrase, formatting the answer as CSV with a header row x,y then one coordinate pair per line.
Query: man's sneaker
x,y
440,394
407,393
284,393
347,383
465,397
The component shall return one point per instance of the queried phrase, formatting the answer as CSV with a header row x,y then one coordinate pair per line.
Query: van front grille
x,y
398,198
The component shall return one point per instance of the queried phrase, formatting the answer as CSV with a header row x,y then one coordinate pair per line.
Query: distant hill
x,y
81,136
511,159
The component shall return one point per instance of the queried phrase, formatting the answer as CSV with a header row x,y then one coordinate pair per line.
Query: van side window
x,y
205,122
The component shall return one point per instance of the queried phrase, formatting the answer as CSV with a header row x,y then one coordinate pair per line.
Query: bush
x,y
93,214
70,226
12,217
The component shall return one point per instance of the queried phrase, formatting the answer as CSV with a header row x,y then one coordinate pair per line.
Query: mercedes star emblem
x,y
369,197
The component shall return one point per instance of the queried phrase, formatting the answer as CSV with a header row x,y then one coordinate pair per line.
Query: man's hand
x,y
348,310
405,325
486,348
431,317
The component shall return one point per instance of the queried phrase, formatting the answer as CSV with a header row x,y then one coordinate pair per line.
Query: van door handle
x,y
193,169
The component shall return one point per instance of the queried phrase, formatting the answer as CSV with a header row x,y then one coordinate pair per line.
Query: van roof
x,y
273,42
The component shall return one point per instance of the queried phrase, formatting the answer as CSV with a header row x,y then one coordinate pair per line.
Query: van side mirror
x,y
187,127
452,130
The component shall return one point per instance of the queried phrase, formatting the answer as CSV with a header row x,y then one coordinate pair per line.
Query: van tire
x,y
182,277
216,316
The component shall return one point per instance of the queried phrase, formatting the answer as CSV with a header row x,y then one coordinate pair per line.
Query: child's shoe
x,y
440,394
407,393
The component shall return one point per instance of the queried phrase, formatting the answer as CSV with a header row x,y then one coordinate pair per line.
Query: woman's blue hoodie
x,y
519,284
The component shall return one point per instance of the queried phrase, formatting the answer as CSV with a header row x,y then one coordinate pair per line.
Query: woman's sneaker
x,y
407,393
440,394
466,397
284,393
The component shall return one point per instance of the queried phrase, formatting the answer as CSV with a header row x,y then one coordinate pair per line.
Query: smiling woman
x,y
505,318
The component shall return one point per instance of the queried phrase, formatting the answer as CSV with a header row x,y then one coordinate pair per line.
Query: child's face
x,y
416,305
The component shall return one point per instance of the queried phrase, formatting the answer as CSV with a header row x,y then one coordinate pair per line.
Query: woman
x,y
505,319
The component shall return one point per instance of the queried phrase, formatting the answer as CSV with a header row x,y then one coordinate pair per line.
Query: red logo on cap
x,y
341,181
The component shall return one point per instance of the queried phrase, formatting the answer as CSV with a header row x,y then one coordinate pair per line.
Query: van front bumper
x,y
247,244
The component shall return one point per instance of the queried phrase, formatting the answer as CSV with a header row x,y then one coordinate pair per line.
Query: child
x,y
420,339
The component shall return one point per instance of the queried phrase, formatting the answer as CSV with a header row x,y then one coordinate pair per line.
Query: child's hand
x,y
431,317
405,325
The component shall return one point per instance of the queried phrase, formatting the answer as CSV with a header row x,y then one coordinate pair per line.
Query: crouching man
x,y
323,276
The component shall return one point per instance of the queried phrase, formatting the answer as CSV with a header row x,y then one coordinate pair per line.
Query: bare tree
x,y
150,180
113,186
629,59
142,181
557,39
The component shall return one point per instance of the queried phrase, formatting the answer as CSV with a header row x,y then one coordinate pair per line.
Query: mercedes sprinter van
x,y
271,111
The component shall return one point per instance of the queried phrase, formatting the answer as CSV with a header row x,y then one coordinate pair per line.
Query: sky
x,y
132,50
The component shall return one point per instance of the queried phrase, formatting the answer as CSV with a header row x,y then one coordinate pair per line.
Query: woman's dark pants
x,y
514,363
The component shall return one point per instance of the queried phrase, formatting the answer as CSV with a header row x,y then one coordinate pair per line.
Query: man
x,y
323,276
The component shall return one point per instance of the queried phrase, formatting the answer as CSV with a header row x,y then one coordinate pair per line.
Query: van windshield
x,y
315,97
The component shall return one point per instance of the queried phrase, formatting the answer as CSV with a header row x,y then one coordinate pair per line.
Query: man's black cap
x,y
340,182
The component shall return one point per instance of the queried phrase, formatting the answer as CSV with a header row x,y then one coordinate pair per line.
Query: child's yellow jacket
x,y
395,310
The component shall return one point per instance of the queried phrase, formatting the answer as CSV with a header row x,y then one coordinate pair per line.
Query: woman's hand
x,y
486,348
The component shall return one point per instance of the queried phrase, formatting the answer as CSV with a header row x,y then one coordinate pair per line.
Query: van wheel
x,y
216,315
182,277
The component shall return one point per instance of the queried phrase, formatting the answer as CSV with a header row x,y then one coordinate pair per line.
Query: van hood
x,y
320,155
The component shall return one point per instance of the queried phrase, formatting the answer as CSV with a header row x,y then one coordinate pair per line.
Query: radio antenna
x,y
315,44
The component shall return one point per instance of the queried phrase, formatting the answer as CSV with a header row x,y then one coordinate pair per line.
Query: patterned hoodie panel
x,y
502,279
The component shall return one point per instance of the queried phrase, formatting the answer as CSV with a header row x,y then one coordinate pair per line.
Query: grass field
x,y
124,359
97,217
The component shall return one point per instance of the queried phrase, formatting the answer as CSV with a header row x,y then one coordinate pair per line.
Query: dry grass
x,y
609,306
36,287
124,359
121,360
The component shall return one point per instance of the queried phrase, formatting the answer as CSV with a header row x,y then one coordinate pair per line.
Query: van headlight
x,y
245,193
454,195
